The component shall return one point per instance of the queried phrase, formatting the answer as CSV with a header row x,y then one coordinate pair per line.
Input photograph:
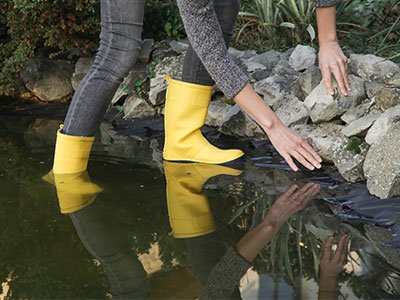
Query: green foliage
x,y
354,145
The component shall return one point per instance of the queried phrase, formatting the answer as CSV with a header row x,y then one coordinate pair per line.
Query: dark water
x,y
134,227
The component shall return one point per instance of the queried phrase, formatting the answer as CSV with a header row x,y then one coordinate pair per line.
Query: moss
x,y
354,145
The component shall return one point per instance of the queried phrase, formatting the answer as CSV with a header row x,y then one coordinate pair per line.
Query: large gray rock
x,y
241,54
237,123
171,66
359,126
382,165
324,107
358,111
302,58
308,81
179,46
269,59
49,80
387,97
383,124
253,66
273,89
82,66
292,112
371,67
136,107
145,50
217,112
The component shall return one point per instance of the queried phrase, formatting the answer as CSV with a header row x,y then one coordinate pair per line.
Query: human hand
x,y
332,262
332,60
289,203
290,145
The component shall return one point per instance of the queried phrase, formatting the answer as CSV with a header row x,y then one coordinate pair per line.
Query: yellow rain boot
x,y
186,109
188,208
74,187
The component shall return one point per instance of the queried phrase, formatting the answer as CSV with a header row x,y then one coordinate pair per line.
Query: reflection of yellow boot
x,y
71,153
185,113
74,191
188,208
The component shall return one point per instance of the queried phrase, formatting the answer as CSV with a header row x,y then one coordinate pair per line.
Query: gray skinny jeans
x,y
120,39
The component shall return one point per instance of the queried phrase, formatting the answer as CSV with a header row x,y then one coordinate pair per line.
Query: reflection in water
x,y
219,267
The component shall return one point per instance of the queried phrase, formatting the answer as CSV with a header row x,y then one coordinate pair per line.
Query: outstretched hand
x,y
290,145
333,61
332,262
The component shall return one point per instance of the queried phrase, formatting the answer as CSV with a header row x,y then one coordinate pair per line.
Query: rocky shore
x,y
359,134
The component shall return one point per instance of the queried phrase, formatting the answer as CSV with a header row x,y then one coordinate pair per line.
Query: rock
x,y
292,112
237,123
372,88
371,67
179,46
82,66
357,112
127,87
259,75
217,112
273,89
383,124
49,80
324,107
241,54
360,125
308,81
136,107
283,69
145,50
302,58
252,66
349,165
171,66
269,59
382,165
387,97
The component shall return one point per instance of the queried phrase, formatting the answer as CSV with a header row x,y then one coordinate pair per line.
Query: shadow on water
x,y
133,226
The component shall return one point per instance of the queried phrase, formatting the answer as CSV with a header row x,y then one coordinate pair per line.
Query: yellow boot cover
x,y
188,208
71,154
74,191
186,109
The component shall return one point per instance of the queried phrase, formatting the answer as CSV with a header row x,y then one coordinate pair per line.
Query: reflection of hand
x,y
332,60
289,203
332,262
290,145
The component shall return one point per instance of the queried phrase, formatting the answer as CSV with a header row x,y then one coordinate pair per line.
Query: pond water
x,y
134,227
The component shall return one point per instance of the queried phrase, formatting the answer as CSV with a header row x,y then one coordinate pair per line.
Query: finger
x,y
302,160
290,162
343,258
326,78
310,150
310,158
290,191
340,248
302,192
339,79
343,70
326,249
308,195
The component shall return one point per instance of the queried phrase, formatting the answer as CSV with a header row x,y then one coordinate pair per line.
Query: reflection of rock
x,y
136,107
292,111
82,66
324,107
41,132
383,124
382,165
360,125
171,66
217,112
237,123
371,67
49,80
302,58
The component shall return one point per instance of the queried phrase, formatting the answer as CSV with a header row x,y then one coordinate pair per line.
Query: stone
x,y
259,75
302,58
383,124
357,112
49,80
382,165
136,107
82,66
387,97
372,88
145,50
269,59
127,86
241,54
371,67
324,107
237,123
171,66
360,125
217,112
252,66
308,81
273,89
179,46
293,112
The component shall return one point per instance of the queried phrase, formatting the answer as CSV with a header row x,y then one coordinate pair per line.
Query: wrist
x,y
328,40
